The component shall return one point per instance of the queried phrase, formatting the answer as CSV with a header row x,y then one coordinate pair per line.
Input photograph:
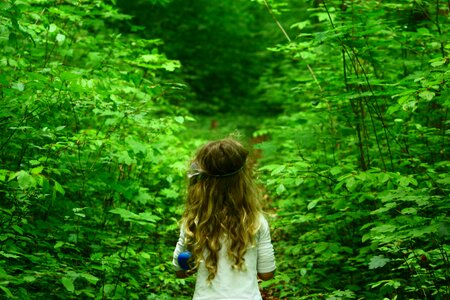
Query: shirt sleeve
x,y
266,257
180,247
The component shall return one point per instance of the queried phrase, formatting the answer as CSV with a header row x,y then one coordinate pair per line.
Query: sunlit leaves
x,y
58,188
312,204
141,218
280,189
25,180
94,146
90,278
427,95
85,131
6,291
378,262
156,61
68,284
179,119
395,207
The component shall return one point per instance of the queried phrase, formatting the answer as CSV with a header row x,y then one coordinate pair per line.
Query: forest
x,y
343,103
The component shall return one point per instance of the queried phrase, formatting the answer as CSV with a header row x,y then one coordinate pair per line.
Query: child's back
x,y
223,225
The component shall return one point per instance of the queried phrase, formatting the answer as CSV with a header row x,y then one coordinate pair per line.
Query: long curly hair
x,y
222,202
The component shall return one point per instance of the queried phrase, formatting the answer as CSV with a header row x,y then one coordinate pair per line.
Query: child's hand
x,y
184,260
181,274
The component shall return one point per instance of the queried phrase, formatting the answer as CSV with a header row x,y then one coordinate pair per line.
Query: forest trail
x,y
96,106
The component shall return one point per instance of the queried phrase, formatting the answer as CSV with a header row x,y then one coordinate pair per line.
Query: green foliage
x,y
348,108
91,168
357,166
220,45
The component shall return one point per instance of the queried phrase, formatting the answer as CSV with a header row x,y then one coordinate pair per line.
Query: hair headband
x,y
195,171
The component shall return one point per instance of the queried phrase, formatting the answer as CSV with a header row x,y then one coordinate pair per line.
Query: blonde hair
x,y
222,201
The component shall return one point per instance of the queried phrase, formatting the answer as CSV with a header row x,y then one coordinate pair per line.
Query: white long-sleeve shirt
x,y
233,284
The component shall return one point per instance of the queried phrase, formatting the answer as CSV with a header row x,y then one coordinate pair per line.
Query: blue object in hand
x,y
183,260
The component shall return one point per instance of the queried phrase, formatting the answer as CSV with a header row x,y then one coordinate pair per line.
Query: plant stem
x,y
439,27
289,40
121,264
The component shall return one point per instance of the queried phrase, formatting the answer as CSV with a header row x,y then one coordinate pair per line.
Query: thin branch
x,y
375,107
439,27
443,147
276,21
289,39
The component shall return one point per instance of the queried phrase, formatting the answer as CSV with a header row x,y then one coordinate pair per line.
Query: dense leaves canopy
x,y
345,104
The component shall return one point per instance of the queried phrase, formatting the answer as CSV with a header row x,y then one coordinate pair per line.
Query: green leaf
x,y
427,95
425,230
37,170
280,189
384,228
340,203
3,174
383,177
124,213
413,181
278,170
143,197
60,38
69,76
124,157
17,229
91,278
298,181
407,92
179,119
29,278
52,28
68,284
335,171
8,255
59,244
404,181
136,145
18,86
387,207
4,79
378,262
170,193
25,180
150,57
301,25
7,291
149,217
350,183
439,62
34,162
108,288
312,204
59,188
409,211
171,65
5,6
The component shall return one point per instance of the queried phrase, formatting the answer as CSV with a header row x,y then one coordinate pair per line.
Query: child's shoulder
x,y
263,224
262,218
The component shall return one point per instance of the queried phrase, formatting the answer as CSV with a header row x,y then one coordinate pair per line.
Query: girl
x,y
223,225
